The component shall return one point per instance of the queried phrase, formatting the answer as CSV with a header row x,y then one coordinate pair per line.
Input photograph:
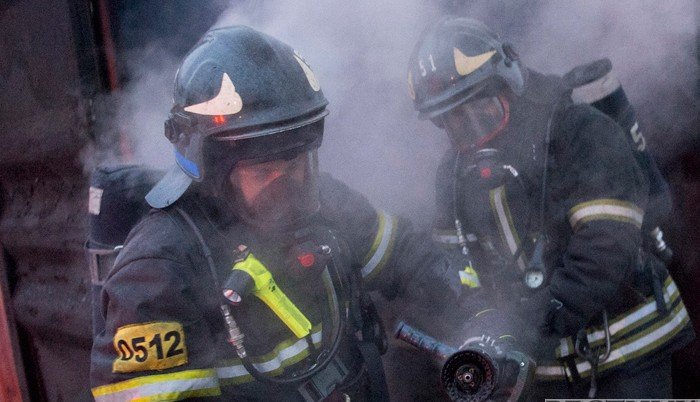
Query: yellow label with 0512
x,y
149,346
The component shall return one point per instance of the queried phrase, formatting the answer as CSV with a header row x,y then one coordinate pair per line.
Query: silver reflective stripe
x,y
564,347
647,309
452,238
596,90
502,215
619,324
274,363
620,353
556,371
605,209
446,239
386,227
168,390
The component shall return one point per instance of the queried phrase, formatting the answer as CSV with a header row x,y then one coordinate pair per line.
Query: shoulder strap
x,y
206,251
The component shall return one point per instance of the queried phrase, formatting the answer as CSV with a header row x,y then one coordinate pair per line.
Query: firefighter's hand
x,y
549,316
493,326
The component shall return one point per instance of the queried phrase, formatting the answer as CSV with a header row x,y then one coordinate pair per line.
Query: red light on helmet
x,y
219,120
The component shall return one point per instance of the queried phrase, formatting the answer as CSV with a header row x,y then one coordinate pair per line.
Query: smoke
x,y
147,98
359,51
651,45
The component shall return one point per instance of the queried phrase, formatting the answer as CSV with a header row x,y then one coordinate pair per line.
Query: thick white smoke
x,y
650,43
359,51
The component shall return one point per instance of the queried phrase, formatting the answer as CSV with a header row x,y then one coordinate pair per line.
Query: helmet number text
x,y
421,65
637,137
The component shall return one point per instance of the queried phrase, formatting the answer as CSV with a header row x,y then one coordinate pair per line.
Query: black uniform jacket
x,y
591,214
164,335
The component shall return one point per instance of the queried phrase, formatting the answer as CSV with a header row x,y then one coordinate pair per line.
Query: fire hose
x,y
483,370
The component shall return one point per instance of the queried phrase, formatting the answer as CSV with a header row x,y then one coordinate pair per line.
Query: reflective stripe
x,y
376,258
171,387
553,372
605,209
645,342
625,322
469,277
450,237
274,363
446,239
656,331
499,205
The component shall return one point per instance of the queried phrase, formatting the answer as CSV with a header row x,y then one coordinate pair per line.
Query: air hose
x,y
236,336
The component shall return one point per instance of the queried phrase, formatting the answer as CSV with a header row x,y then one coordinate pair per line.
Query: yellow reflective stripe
x,y
627,349
173,386
381,249
285,354
605,209
377,238
499,206
639,317
178,396
626,322
469,277
644,342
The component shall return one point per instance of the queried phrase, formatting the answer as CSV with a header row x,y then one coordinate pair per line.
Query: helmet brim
x,y
269,129
169,188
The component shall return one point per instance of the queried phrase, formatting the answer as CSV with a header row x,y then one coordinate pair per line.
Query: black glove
x,y
495,327
550,316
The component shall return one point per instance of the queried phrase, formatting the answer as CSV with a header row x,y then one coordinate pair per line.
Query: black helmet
x,y
240,88
454,60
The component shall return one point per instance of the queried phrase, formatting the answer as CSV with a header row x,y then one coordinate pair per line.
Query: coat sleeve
x,y
599,194
156,344
392,257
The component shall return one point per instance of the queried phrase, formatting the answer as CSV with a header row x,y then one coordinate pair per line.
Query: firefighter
x,y
248,279
546,196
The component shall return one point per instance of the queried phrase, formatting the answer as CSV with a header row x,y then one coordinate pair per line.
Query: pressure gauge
x,y
534,278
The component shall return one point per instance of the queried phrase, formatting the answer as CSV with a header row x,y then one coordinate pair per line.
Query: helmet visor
x,y
472,124
279,193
